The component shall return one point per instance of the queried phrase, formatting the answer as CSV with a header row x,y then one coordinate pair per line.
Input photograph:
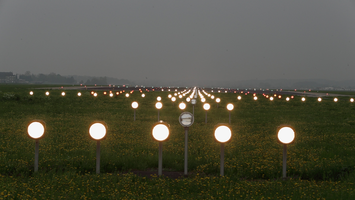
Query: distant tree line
x,y
54,78
47,78
95,80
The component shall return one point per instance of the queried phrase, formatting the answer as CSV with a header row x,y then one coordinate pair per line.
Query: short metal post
x,y
222,159
284,161
36,155
206,117
217,105
229,117
160,164
98,157
186,147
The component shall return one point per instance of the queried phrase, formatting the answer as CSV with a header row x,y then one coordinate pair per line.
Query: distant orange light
x,y
279,96
105,93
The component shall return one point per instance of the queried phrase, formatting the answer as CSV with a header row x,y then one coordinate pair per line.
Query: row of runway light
x,y
203,99
160,133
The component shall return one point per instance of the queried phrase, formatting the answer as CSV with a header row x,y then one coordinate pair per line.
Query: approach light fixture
x,y
285,135
160,133
222,134
36,130
97,131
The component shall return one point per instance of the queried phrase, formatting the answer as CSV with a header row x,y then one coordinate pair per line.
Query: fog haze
x,y
171,41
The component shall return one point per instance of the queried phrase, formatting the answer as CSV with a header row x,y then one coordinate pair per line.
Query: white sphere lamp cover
x,y
160,131
206,106
230,107
182,106
286,135
158,105
222,133
97,131
36,130
134,104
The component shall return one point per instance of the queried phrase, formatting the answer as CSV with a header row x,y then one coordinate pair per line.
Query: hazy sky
x,y
180,39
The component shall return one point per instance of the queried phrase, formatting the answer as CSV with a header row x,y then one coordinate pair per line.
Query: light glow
x,y
230,107
206,106
134,104
97,131
160,132
35,130
182,106
222,134
286,135
158,105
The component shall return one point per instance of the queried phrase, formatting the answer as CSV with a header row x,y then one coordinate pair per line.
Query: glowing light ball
x,y
255,98
63,94
352,100
218,100
203,100
158,98
206,106
286,135
160,132
175,94
223,133
143,95
169,96
173,99
134,104
95,94
111,95
212,97
127,95
182,106
180,96
303,99
47,93
188,99
271,98
31,93
158,105
287,98
230,106
79,94
36,130
97,131
319,99
335,99
239,97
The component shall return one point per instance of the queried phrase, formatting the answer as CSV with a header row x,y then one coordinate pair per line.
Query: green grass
x,y
321,161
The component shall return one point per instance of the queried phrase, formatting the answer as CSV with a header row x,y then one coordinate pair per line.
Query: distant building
x,y
8,77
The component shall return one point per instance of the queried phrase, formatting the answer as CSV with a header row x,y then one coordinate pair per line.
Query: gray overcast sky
x,y
180,39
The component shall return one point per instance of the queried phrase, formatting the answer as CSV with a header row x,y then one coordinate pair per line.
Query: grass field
x,y
320,165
